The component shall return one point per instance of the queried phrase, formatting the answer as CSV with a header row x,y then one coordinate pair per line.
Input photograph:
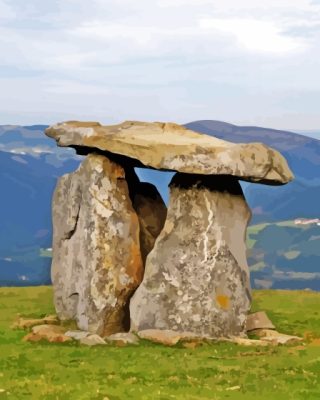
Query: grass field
x,y
212,371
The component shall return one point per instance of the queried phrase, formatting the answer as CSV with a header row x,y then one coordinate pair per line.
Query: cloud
x,y
255,35
6,12
160,59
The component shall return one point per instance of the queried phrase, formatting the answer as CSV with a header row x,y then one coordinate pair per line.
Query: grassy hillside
x,y
216,371
283,255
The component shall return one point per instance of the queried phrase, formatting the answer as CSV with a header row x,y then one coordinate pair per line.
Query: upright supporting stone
x,y
96,253
196,277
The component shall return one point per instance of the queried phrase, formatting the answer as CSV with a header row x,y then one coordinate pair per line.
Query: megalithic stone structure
x,y
112,232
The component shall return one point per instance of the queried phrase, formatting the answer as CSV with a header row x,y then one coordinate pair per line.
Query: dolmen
x,y
123,261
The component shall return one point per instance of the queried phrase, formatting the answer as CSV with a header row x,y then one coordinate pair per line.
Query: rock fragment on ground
x,y
25,323
258,320
123,338
77,335
165,336
275,337
92,340
249,342
50,333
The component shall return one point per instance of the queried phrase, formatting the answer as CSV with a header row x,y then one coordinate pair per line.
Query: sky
x,y
246,62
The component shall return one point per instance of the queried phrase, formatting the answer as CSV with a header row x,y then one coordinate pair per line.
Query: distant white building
x,y
306,221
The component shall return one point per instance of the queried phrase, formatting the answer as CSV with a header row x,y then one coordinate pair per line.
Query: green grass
x,y
148,371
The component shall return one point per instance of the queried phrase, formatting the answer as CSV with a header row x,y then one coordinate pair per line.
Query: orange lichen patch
x,y
135,266
223,301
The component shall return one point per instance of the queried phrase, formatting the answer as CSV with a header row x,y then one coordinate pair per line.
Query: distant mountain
x,y
30,164
29,168
284,255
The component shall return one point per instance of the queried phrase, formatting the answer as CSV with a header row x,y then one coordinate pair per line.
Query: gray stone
x,y
196,277
170,146
96,262
258,320
123,338
77,335
165,336
275,337
92,340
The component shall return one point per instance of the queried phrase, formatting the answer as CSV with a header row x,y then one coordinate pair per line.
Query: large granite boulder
x,y
97,262
196,277
170,146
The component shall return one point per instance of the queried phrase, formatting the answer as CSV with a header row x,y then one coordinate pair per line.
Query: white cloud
x,y
159,59
255,35
6,12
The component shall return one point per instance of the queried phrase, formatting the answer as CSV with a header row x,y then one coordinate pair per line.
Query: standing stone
x,y
196,277
96,254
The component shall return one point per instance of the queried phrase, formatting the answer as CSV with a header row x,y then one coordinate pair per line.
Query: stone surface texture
x,y
50,333
258,320
250,342
96,253
196,277
165,336
150,208
25,323
170,146
275,337
123,338
92,340
77,335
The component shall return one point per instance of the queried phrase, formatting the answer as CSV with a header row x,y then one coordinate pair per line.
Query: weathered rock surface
x,y
150,208
77,335
92,340
25,323
170,146
196,277
275,337
190,340
249,342
258,320
165,336
51,333
96,254
123,338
